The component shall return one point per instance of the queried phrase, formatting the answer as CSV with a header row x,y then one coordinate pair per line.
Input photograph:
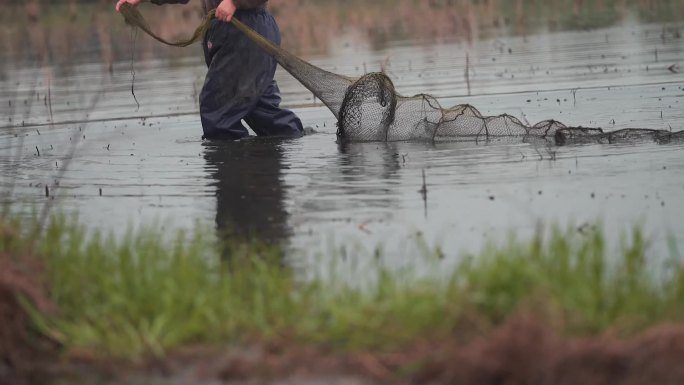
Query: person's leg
x,y
239,74
268,119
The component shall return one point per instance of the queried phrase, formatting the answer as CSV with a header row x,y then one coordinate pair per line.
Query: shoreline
x,y
504,354
553,309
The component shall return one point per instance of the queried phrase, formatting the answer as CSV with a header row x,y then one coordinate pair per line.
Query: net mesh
x,y
370,109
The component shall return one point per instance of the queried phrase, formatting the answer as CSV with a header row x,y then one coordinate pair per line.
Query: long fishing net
x,y
370,109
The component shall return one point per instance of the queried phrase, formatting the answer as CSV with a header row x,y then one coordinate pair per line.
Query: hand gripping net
x,y
370,109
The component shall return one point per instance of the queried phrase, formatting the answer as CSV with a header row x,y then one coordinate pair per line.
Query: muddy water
x,y
79,132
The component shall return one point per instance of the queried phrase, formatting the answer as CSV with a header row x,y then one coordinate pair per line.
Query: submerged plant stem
x,y
134,36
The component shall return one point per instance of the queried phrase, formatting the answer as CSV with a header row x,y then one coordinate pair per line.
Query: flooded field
x,y
75,134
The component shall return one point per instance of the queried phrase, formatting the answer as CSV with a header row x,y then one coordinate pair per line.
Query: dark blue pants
x,y
239,84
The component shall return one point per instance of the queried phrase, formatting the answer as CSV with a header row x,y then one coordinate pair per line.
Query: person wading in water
x,y
239,84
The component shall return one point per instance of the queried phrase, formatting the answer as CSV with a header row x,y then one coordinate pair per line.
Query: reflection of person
x,y
239,84
249,200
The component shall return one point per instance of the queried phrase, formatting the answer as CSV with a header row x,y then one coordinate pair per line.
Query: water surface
x,y
118,165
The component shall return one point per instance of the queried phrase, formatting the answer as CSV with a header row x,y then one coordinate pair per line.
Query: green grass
x,y
142,296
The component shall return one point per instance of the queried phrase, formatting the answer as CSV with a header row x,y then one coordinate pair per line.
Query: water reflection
x,y
353,159
249,189
347,175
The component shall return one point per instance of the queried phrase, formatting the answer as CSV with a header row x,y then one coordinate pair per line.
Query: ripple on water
x,y
150,164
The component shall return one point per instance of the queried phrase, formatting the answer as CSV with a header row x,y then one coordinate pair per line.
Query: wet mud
x,y
508,356
523,351
24,351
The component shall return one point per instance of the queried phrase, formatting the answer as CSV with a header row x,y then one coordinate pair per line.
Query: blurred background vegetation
x,y
72,31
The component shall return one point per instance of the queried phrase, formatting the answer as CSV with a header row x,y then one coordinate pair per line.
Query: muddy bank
x,y
282,332
524,350
24,351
